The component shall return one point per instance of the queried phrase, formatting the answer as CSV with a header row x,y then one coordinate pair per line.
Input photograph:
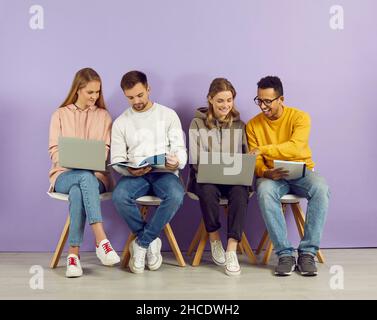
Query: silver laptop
x,y
75,153
223,168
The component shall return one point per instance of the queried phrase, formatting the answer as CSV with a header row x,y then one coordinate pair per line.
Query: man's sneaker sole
x,y
285,274
232,273
218,263
157,265
306,273
73,274
130,264
107,263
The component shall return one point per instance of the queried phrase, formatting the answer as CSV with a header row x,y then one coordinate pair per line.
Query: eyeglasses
x,y
266,102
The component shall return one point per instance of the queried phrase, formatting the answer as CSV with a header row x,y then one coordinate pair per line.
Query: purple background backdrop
x,y
182,46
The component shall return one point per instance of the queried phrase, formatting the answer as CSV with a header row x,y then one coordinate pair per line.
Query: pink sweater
x,y
70,121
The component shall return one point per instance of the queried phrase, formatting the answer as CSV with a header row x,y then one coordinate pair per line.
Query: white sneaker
x,y
106,253
232,268
73,266
154,257
218,253
137,257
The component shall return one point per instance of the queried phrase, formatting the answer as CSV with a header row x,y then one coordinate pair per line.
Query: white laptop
x,y
75,153
225,168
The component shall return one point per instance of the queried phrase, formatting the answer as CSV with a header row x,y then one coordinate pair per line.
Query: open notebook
x,y
296,169
157,161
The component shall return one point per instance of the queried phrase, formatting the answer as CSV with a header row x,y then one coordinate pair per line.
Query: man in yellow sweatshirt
x,y
280,132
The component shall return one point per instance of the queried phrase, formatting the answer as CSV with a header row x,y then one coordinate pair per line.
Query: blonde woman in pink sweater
x,y
82,115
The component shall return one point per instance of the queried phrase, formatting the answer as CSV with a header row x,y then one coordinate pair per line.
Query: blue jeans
x,y
83,189
312,187
166,186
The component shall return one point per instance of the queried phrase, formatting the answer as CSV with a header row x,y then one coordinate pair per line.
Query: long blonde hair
x,y
82,78
219,85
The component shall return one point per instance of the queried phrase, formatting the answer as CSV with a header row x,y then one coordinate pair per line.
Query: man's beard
x,y
140,106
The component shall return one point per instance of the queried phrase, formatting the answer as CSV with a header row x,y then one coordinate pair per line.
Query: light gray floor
x,y
207,281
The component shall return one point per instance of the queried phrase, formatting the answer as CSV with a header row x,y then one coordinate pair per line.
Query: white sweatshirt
x,y
137,135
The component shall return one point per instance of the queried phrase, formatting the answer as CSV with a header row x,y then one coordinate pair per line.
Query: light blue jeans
x,y
166,186
314,188
83,189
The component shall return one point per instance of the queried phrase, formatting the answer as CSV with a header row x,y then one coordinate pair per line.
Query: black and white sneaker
x,y
286,265
306,265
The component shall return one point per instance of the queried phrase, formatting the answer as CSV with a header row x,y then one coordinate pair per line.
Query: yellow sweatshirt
x,y
286,138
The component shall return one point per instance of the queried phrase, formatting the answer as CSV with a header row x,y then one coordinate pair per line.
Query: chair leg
x,y
246,246
300,222
320,257
240,248
144,211
60,246
296,215
196,239
199,251
262,242
174,245
268,252
126,251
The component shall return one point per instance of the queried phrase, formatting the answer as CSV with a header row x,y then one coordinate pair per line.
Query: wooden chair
x,y
64,234
145,203
201,237
293,201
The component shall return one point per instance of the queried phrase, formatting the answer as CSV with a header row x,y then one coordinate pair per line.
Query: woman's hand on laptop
x,y
139,172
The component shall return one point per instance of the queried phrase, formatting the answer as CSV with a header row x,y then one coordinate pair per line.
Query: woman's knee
x,y
75,194
207,190
88,177
240,191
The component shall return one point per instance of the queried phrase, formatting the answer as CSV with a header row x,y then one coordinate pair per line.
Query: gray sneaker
x,y
286,265
306,265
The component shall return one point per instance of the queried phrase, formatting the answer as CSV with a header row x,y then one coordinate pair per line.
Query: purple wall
x,y
182,46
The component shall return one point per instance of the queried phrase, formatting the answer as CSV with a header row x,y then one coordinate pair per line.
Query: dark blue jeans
x,y
166,186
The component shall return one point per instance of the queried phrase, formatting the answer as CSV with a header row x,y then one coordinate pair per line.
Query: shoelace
x,y
233,262
140,257
72,261
306,259
286,260
150,251
217,249
107,247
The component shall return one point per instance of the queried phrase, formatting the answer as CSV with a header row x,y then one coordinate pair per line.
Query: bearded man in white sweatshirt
x,y
144,130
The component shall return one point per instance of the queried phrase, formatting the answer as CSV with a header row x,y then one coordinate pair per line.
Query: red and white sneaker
x,y
73,266
106,253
